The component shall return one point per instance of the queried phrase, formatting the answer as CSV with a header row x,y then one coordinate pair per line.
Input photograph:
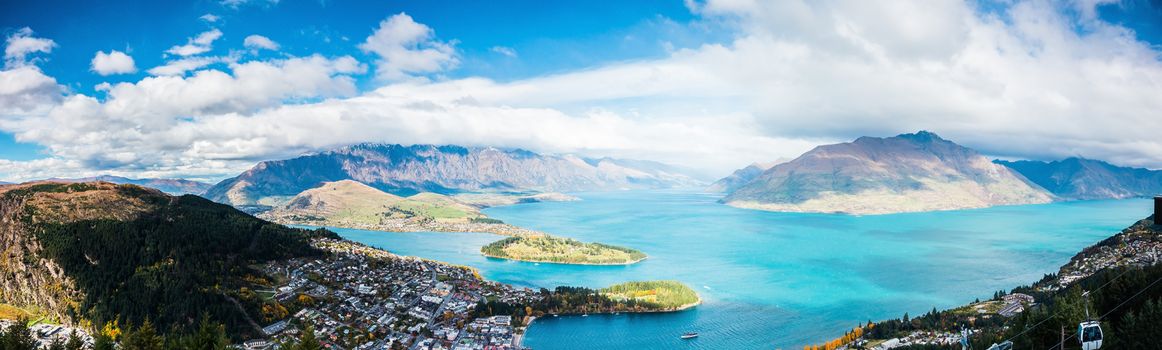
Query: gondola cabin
x,y
1089,334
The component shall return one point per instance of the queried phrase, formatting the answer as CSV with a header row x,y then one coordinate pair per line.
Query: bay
x,y
775,280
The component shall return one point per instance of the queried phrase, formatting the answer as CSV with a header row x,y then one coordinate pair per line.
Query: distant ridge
x,y
872,175
170,186
741,177
406,170
1080,178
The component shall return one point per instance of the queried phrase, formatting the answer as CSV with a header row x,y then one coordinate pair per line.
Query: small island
x,y
559,250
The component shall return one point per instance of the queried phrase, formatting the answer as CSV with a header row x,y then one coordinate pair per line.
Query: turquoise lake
x,y
775,280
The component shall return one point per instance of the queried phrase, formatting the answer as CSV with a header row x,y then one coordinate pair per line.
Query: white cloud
x,y
26,90
407,48
256,42
197,45
210,18
504,50
138,126
114,62
181,66
1021,82
21,43
239,3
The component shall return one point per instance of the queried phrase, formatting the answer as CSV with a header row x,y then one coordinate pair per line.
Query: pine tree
x,y
210,336
74,342
18,336
143,338
56,344
308,341
103,341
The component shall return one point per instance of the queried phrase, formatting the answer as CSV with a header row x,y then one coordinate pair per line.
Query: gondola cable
x,y
1123,303
1056,293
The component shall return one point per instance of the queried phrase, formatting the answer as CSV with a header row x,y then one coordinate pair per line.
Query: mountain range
x,y
405,170
170,186
872,175
1080,178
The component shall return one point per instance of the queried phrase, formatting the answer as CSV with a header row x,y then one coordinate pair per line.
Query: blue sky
x,y
546,36
711,84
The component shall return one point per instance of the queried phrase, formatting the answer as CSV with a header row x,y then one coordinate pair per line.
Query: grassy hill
x,y
90,253
346,203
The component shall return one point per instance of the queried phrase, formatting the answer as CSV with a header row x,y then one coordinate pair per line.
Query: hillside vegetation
x,y
91,253
561,250
660,294
641,297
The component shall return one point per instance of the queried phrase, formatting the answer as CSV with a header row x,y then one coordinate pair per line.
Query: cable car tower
x,y
1089,332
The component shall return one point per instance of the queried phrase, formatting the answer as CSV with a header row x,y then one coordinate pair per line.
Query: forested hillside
x,y
91,253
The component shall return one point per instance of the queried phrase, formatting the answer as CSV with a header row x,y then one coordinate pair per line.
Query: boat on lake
x,y
690,335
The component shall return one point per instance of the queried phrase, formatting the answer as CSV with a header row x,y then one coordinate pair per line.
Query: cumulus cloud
x,y
256,42
196,45
210,18
26,90
114,62
407,48
21,44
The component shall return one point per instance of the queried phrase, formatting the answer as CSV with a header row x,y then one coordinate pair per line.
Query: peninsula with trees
x,y
352,204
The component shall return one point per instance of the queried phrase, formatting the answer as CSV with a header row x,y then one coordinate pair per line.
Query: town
x,y
360,297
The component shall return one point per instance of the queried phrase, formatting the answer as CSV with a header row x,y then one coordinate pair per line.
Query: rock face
x,y
27,279
170,186
741,177
1079,178
906,173
441,169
